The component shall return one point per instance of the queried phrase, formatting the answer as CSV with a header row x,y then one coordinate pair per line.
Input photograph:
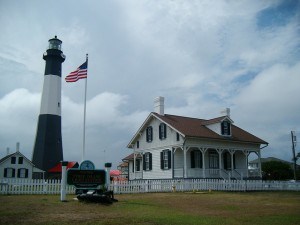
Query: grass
x,y
157,208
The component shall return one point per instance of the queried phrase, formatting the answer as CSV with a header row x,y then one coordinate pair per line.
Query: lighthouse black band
x,y
54,60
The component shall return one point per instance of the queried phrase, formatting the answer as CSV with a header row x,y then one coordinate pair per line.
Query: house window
x,y
20,160
177,137
162,131
137,144
213,160
196,159
165,159
22,173
13,160
137,165
149,134
147,161
9,172
225,128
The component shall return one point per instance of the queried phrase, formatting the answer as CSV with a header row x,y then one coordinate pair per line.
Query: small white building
x,y
16,165
170,146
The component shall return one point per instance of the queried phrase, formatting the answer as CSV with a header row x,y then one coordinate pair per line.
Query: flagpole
x,y
84,114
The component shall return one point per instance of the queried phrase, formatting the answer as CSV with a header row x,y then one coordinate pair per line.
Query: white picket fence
x,y
26,186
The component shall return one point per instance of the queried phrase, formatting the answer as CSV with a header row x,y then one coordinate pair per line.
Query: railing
x,y
27,186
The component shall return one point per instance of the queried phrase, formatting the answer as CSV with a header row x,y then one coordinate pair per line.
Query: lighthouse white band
x,y
51,96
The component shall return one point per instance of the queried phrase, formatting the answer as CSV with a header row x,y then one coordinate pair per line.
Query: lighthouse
x,y
48,151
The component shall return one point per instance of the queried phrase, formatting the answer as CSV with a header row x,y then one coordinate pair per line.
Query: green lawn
x,y
157,208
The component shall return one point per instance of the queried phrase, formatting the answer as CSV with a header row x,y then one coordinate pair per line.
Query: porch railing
x,y
238,174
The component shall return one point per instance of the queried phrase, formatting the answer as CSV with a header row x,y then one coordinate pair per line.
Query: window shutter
x,y
229,129
5,172
165,130
150,161
169,159
19,172
160,128
192,159
13,172
222,128
162,160
26,173
144,161
147,134
151,136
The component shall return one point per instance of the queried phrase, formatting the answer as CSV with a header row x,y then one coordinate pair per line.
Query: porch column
x,y
184,162
220,160
246,155
231,160
259,161
134,169
203,150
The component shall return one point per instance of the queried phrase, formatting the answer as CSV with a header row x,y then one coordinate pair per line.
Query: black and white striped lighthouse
x,y
48,149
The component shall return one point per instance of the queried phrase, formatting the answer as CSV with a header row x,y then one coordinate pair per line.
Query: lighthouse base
x,y
48,150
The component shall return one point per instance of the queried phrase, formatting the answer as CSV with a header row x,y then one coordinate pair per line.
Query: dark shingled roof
x,y
193,127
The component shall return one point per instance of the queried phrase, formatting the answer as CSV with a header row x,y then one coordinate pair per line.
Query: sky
x,y
202,56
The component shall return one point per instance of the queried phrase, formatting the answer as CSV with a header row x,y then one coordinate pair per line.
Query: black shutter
x,y
222,128
144,161
5,172
192,159
26,173
19,172
169,159
165,130
150,161
162,160
151,138
147,134
13,172
229,130
159,131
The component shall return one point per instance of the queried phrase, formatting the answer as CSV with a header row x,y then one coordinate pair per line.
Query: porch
x,y
216,163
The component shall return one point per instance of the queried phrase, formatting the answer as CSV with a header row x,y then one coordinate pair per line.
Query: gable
x,y
17,155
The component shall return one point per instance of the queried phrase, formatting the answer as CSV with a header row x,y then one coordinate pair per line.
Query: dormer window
x,y
225,128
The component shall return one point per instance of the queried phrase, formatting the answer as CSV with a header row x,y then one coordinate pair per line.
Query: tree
x,y
276,170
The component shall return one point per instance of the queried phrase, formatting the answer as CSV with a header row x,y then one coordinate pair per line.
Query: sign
x,y
86,178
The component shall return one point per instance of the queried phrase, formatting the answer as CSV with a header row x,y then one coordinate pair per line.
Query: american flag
x,y
79,73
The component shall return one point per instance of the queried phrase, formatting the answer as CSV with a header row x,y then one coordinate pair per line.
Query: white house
x,y
170,146
16,165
